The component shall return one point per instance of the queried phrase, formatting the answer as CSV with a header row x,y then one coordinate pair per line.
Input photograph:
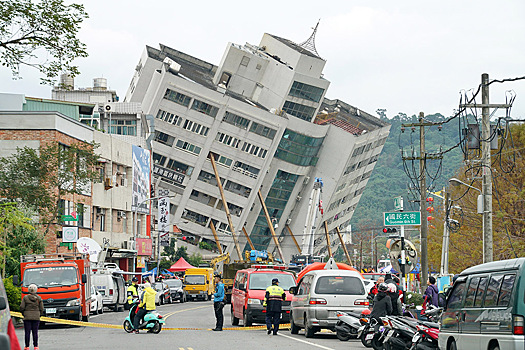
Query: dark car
x,y
176,290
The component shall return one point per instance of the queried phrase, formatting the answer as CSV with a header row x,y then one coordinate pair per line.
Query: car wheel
x,y
101,311
452,346
308,331
246,320
294,329
235,320
162,300
115,307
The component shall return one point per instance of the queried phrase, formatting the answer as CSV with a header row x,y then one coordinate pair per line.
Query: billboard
x,y
144,246
141,180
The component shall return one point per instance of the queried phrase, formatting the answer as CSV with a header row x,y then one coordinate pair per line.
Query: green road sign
x,y
68,218
402,219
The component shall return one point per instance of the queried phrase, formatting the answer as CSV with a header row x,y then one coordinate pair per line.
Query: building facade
x,y
263,116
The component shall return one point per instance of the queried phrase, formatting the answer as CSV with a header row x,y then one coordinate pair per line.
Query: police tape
x,y
116,326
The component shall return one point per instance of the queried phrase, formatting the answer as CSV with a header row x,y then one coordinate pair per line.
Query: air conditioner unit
x,y
306,180
121,214
298,198
124,245
108,183
99,211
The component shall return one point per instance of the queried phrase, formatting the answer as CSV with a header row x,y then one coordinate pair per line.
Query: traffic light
x,y
389,230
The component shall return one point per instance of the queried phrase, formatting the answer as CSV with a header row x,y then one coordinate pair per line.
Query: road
x,y
187,315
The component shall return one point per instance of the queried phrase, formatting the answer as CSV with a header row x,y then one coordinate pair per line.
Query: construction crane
x,y
315,205
224,257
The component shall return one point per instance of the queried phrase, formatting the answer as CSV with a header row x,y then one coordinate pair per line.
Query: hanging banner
x,y
141,179
144,246
164,217
141,261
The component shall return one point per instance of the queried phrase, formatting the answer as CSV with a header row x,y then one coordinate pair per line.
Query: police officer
x,y
132,293
218,302
274,301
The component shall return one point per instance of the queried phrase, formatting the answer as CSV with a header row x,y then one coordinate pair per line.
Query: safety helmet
x,y
392,288
217,274
383,287
134,279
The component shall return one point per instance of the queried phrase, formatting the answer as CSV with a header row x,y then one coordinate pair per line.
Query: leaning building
x,y
263,116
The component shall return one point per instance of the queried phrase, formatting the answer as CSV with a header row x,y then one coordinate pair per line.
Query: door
x,y
469,319
452,314
238,294
300,300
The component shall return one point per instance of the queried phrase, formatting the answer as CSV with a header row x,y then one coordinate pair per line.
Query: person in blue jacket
x,y
218,302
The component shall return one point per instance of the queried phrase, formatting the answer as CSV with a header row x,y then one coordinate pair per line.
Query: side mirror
x,y
84,278
3,303
16,280
293,290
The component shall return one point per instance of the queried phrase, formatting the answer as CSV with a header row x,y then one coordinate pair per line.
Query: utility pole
x,y
444,249
488,255
423,157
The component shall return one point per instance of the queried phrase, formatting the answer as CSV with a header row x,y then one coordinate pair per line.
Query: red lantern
x,y
430,209
430,199
430,218
432,226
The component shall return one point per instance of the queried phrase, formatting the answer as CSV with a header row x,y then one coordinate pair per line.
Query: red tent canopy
x,y
320,266
180,265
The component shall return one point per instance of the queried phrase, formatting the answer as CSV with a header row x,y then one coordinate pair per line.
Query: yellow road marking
x,y
116,326
176,312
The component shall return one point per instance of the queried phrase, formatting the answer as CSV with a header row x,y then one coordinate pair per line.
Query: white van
x,y
320,294
111,286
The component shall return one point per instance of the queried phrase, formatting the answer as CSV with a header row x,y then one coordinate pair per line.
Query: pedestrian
x,y
400,298
273,301
393,293
147,304
218,302
373,290
431,293
132,293
32,307
382,303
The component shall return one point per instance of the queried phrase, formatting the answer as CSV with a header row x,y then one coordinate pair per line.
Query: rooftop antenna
x,y
309,44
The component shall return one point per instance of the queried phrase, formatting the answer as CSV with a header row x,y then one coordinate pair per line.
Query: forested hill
x,y
389,178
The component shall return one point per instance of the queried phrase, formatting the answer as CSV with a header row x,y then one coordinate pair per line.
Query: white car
x,y
96,301
369,284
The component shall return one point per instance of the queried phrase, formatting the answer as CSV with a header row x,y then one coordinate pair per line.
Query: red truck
x,y
63,282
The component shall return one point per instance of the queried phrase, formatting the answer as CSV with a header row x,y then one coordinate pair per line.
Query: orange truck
x,y
63,282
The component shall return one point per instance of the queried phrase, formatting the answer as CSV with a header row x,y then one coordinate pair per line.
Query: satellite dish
x,y
89,246
395,254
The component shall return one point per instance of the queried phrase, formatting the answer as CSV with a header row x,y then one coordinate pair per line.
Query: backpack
x,y
442,300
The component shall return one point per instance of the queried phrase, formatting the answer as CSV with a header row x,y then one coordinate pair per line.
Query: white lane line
x,y
306,342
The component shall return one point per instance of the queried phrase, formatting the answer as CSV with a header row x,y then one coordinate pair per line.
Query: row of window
x,y
123,127
169,117
195,127
243,123
172,164
483,291
190,147
228,140
254,150
298,110
185,100
305,91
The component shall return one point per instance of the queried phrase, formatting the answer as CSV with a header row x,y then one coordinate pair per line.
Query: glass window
x,y
159,159
298,110
456,297
236,120
188,147
205,108
505,292
245,60
305,91
480,291
491,296
164,138
262,280
262,130
298,149
471,292
339,285
177,97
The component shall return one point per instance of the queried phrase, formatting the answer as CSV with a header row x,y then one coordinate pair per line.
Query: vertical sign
x,y
141,179
164,217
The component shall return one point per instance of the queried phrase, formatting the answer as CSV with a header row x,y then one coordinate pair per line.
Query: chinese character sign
x,y
144,246
164,214
402,218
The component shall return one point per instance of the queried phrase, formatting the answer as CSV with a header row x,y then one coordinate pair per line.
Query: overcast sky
x,y
404,56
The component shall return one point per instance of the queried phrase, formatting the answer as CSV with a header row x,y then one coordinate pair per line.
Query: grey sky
x,y
405,56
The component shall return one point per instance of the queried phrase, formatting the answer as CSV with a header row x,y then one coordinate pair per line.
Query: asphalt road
x,y
197,314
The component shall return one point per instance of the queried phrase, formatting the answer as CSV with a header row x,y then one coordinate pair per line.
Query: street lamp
x,y
457,182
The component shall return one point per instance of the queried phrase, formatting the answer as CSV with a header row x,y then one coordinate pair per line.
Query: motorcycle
x,y
367,330
426,338
153,321
347,326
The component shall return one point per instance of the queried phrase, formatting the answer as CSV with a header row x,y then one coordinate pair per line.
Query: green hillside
x,y
389,178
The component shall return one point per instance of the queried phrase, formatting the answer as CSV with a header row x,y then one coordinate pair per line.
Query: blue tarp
x,y
154,272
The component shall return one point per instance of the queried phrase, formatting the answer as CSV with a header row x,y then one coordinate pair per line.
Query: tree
x,y
39,179
181,253
15,235
27,28
195,259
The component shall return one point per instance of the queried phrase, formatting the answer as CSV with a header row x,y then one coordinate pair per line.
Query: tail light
x,y
111,291
362,302
317,301
518,324
363,320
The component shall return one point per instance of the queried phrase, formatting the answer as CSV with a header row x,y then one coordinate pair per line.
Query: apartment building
x,y
263,115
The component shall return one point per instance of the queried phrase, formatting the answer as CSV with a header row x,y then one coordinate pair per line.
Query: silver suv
x,y
320,294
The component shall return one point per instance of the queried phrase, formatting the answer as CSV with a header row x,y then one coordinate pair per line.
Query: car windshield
x,y
51,276
261,281
340,285
194,279
174,283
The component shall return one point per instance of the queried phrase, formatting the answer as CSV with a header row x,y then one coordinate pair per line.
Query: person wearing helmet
x,y
218,302
393,293
273,301
382,303
132,293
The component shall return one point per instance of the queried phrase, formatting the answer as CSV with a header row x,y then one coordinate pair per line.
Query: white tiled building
x,y
263,114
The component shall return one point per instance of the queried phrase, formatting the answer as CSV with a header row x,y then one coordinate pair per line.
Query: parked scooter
x,y
153,321
347,326
426,338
